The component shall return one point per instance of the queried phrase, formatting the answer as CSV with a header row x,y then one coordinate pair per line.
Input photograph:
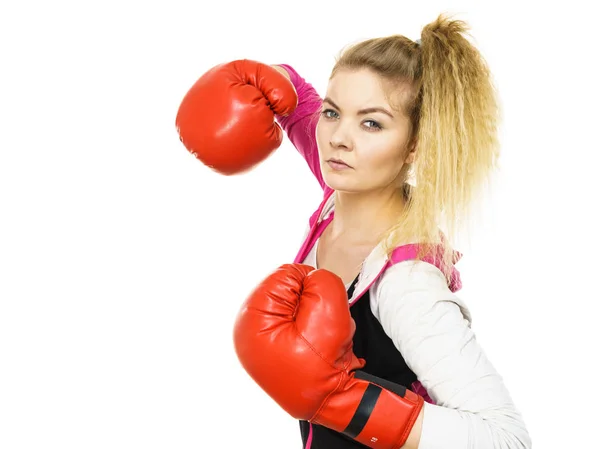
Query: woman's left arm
x,y
430,327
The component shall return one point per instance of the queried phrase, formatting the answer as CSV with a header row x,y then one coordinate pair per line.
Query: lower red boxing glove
x,y
293,336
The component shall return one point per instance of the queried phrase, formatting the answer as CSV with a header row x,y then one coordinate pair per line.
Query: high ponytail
x,y
454,117
457,136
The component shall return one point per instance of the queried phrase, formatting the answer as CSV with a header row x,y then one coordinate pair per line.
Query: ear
x,y
410,158
412,152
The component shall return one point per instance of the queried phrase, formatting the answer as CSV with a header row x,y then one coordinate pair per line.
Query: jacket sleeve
x,y
430,326
300,125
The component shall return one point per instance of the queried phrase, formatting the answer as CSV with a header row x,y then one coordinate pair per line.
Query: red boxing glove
x,y
293,336
227,118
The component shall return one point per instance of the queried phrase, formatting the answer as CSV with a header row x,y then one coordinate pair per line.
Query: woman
x,y
402,143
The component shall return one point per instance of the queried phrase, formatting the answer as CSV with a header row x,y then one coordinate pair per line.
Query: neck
x,y
366,216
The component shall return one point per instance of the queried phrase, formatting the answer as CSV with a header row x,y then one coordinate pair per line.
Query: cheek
x,y
382,155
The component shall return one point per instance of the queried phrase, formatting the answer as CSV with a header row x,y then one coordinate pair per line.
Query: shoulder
x,y
416,287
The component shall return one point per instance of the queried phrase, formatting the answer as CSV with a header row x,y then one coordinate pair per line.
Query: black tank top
x,y
382,360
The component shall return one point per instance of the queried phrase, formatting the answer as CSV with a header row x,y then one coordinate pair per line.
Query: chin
x,y
342,183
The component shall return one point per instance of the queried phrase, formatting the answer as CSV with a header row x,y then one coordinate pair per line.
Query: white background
x,y
123,260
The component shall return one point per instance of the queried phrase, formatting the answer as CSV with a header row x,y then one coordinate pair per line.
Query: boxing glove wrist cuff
x,y
373,411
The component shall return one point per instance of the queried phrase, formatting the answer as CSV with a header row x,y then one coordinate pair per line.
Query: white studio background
x,y
123,260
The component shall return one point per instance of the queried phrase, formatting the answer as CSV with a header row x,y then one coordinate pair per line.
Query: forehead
x,y
357,89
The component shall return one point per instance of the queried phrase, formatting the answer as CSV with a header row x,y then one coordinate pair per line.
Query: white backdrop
x,y
123,260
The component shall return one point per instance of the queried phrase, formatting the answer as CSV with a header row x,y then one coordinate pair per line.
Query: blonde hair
x,y
454,117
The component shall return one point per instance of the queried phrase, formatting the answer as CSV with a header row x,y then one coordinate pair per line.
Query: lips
x,y
339,161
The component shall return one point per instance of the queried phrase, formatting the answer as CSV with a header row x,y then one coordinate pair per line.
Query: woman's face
x,y
362,140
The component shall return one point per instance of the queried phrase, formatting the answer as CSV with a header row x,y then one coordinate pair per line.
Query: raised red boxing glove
x,y
227,118
293,336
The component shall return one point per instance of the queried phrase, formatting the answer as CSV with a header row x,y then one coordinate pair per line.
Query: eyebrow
x,y
362,111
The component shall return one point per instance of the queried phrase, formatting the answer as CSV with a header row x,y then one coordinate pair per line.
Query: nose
x,y
341,138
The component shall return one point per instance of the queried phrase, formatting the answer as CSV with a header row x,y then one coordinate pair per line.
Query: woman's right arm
x,y
300,125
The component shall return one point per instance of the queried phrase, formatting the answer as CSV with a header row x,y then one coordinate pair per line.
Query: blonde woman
x,y
363,338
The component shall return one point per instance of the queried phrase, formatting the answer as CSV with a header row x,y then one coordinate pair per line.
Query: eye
x,y
329,113
374,125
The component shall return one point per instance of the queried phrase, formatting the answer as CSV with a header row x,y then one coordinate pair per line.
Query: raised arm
x,y
300,125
